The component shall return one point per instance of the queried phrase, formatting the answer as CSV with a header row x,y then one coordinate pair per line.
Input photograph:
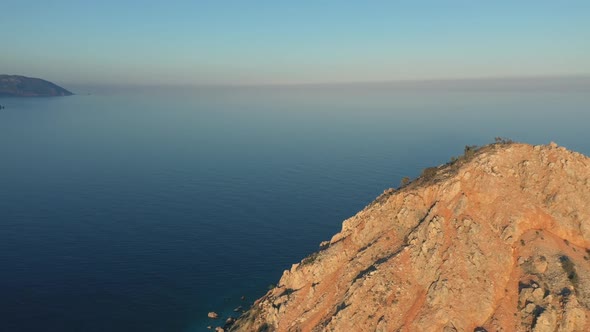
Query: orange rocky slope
x,y
494,242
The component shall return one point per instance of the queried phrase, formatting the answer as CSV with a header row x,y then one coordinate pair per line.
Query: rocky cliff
x,y
21,86
496,241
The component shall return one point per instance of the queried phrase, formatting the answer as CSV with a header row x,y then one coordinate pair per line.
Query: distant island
x,y
21,86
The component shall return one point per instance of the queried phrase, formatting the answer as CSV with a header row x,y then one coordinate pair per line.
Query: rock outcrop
x,y
496,241
21,86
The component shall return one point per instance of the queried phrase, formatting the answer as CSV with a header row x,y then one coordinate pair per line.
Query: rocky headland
x,y
496,240
21,86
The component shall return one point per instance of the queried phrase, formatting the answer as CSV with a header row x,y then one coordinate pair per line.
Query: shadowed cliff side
x,y
496,241
21,86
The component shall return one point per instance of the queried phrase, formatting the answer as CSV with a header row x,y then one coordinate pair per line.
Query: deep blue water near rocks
x,y
143,210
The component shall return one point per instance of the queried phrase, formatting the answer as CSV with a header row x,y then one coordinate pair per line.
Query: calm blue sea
x,y
143,209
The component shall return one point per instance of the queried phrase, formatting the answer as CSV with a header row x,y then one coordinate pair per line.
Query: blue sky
x,y
250,42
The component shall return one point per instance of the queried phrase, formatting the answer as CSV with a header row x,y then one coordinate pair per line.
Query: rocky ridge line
x,y
498,241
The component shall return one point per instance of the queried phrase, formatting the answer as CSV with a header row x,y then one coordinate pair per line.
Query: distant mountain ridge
x,y
22,86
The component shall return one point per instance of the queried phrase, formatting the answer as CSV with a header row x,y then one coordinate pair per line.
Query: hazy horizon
x,y
571,83
268,43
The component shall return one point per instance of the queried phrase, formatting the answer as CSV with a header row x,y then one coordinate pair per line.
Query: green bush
x,y
429,173
469,151
503,140
310,259
405,181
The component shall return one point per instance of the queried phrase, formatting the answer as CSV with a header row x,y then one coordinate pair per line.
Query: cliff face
x,y
498,242
21,86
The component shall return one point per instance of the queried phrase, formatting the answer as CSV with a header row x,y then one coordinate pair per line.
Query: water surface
x,y
142,210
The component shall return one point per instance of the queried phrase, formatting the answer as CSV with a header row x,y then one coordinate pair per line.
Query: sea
x,y
145,208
